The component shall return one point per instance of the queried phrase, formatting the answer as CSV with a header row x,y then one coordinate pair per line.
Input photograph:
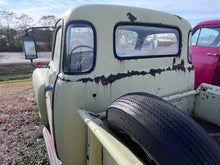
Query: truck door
x,y
205,54
52,75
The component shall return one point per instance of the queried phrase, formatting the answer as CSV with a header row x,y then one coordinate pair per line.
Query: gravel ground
x,y
21,139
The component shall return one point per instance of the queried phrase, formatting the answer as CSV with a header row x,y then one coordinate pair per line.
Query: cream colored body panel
x,y
203,103
39,82
52,74
113,150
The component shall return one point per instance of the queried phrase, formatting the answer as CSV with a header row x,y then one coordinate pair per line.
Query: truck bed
x,y
203,105
211,129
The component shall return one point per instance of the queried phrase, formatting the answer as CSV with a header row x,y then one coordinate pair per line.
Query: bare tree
x,y
24,22
7,21
13,26
48,20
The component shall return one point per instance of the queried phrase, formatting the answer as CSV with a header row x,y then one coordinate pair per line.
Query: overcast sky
x,y
193,10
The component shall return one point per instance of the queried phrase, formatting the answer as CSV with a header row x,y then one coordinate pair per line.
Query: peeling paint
x,y
112,78
85,80
179,66
131,17
153,72
190,68
174,61
66,80
179,17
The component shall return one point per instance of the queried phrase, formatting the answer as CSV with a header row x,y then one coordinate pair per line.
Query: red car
x,y
206,52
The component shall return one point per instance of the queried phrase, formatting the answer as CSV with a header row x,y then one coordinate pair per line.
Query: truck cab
x,y
103,53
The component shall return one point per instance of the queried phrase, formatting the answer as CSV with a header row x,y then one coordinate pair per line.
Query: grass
x,y
37,156
19,72
16,72
33,149
14,79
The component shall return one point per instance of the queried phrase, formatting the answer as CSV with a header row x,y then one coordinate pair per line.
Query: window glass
x,y
195,37
209,37
79,48
190,48
56,55
137,41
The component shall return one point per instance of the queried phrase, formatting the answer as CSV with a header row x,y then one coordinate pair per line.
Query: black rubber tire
x,y
167,135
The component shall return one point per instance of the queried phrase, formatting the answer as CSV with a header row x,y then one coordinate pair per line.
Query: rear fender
x,y
39,82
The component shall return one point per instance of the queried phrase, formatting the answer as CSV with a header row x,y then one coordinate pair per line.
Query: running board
x,y
53,159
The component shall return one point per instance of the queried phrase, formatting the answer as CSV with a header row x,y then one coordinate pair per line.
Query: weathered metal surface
x,y
116,151
39,81
203,103
50,148
184,101
207,106
111,77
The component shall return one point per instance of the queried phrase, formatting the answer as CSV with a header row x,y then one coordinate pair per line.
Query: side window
x,y
209,37
146,41
57,46
80,48
190,47
195,37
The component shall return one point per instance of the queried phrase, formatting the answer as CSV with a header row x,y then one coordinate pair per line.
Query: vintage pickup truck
x,y
119,90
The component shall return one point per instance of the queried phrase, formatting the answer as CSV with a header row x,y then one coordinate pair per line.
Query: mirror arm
x,y
41,27
34,65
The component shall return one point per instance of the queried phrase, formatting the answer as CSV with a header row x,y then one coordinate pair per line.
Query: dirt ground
x,y
21,139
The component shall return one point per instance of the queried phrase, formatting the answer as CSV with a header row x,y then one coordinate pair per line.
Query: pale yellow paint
x,y
117,151
70,133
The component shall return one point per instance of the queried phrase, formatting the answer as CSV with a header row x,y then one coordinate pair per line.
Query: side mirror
x,y
29,47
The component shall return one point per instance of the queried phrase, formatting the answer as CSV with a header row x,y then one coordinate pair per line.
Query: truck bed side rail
x,y
113,151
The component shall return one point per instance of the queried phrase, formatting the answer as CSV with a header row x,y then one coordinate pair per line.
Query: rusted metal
x,y
66,80
112,78
153,72
50,148
190,68
174,61
179,66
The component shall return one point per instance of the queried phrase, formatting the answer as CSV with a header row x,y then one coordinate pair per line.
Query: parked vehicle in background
x,y
206,52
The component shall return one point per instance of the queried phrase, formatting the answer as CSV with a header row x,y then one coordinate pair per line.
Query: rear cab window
x,y
143,41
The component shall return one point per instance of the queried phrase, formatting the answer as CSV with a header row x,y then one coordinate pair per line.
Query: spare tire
x,y
164,133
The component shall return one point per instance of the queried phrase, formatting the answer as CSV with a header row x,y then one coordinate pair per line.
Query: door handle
x,y
212,54
48,88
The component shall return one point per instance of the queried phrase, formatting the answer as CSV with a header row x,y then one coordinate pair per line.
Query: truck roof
x,y
111,14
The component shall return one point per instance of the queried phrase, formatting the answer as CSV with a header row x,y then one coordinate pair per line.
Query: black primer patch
x,y
179,66
131,17
112,78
